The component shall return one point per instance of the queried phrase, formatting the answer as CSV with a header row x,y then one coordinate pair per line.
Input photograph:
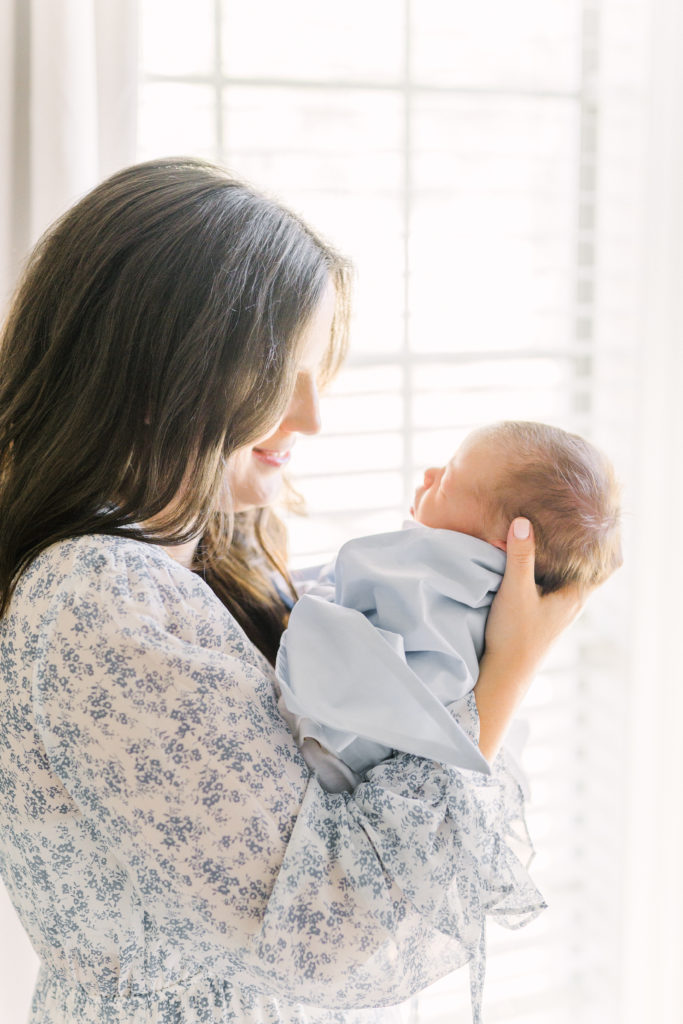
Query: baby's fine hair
x,y
568,489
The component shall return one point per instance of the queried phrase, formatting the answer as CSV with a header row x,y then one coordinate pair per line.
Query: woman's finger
x,y
520,552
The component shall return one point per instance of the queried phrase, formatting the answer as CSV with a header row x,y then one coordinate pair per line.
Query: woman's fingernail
x,y
521,528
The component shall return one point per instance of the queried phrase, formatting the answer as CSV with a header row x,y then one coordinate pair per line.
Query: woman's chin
x,y
257,495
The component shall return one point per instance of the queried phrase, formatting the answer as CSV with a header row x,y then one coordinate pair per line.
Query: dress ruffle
x,y
479,820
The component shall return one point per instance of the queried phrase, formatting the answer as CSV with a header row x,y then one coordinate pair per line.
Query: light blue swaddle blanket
x,y
388,637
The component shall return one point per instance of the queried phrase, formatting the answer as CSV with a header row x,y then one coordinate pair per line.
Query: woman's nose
x,y
303,414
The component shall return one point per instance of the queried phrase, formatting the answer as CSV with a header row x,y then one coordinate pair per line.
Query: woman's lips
x,y
271,457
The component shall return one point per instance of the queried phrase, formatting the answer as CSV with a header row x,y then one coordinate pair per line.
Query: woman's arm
x,y
520,630
160,720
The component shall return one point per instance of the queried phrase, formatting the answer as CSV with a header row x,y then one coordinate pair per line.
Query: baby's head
x,y
563,484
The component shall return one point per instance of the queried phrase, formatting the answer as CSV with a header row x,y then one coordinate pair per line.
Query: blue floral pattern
x,y
166,849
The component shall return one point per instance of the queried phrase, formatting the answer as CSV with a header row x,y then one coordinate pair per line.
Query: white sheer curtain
x,y
652,982
67,110
68,101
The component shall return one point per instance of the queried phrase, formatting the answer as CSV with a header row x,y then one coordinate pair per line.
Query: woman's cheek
x,y
251,485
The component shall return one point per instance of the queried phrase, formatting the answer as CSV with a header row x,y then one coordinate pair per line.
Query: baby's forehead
x,y
476,441
482,462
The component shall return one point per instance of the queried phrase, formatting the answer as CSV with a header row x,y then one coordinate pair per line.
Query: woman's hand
x,y
520,631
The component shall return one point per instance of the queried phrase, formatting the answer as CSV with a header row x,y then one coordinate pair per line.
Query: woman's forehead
x,y
316,335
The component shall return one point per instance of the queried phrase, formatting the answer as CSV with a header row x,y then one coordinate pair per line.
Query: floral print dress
x,y
168,853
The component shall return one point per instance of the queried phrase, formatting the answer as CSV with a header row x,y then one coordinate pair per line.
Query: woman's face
x,y
255,471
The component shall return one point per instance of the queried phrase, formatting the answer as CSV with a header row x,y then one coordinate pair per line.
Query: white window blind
x,y
478,162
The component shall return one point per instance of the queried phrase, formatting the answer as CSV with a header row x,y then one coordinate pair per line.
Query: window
x,y
473,160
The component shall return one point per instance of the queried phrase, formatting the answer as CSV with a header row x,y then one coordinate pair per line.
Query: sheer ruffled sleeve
x,y
161,721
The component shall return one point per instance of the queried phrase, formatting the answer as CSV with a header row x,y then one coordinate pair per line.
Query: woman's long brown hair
x,y
155,331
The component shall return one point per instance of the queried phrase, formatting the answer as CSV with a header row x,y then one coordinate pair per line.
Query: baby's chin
x,y
431,523
423,517
415,516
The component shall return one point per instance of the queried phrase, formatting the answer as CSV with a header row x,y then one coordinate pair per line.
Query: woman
x,y
162,841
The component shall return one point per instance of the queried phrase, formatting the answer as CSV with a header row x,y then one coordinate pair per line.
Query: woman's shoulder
x,y
97,560
118,579
104,590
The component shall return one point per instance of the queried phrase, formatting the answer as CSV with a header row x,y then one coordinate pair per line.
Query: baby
x,y
391,633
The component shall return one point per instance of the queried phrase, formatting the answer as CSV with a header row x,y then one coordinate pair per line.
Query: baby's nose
x,y
430,475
